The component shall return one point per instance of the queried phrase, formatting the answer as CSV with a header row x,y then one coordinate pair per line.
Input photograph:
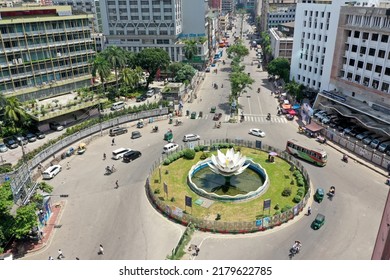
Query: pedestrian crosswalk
x,y
251,118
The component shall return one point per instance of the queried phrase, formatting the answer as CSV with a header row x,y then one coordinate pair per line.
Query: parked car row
x,y
344,125
15,141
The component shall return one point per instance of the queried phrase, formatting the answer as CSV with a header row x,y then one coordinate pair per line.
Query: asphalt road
x,y
129,228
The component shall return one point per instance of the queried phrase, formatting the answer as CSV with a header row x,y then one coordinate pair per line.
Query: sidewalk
x,y
19,249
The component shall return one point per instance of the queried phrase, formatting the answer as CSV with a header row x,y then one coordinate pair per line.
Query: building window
x,y
374,37
363,50
381,53
387,71
378,69
356,34
371,52
366,80
357,78
385,38
369,66
354,48
385,87
360,64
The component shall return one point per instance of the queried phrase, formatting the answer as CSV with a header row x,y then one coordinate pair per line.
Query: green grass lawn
x,y
278,172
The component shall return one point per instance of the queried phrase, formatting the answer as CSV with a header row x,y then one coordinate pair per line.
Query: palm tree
x,y
131,77
101,68
190,49
116,58
13,112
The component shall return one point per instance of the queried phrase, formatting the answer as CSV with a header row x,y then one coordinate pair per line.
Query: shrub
x,y
173,199
286,208
277,207
300,192
296,173
286,192
189,154
175,156
157,191
181,153
204,155
171,158
297,199
196,148
167,161
277,213
300,182
218,217
45,187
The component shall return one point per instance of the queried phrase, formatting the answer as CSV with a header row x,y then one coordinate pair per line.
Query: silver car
x,y
3,147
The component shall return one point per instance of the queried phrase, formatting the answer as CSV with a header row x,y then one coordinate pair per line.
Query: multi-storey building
x,y
46,2
215,4
282,40
135,25
279,15
359,83
314,42
44,51
227,6
87,6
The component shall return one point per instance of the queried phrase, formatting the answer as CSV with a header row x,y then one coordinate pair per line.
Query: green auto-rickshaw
x,y
319,195
213,109
193,115
168,136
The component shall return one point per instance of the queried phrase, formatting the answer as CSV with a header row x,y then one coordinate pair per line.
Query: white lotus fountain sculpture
x,y
229,164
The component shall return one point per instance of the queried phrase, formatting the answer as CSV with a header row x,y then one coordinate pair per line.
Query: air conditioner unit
x,y
14,61
58,54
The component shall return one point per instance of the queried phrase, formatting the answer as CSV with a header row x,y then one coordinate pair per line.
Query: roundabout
x,y
242,191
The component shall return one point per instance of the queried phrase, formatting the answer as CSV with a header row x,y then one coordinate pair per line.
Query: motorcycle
x,y
258,90
268,117
295,249
345,158
178,122
109,170
155,129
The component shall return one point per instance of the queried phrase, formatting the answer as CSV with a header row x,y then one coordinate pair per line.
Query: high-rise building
x,y
280,15
215,4
135,25
227,6
314,42
44,51
282,40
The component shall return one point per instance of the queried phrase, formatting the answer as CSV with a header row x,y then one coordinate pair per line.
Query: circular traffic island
x,y
229,189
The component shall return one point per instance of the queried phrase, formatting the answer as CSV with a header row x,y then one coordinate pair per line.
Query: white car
x,y
191,137
257,132
3,147
150,93
51,171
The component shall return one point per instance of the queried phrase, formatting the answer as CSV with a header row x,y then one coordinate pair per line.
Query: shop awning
x,y
313,127
286,106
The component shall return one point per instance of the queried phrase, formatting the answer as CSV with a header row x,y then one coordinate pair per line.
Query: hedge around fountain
x,y
174,175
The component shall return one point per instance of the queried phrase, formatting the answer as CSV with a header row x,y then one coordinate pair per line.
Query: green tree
x,y
14,114
25,220
152,59
295,90
190,49
116,58
281,67
6,220
132,77
174,67
239,82
237,50
185,73
101,68
6,200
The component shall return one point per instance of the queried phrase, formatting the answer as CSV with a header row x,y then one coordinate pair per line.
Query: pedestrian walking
x,y
104,156
113,142
309,211
116,184
101,250
60,255
197,250
68,165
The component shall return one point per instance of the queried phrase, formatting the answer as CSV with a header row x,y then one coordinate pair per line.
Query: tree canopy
x,y
185,73
152,59
238,50
190,49
281,67
295,90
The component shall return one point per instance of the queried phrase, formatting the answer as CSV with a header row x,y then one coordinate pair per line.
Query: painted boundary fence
x,y
22,178
260,224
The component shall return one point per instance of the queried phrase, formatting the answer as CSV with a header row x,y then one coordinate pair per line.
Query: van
x,y
169,148
135,135
118,153
384,147
132,155
376,142
117,131
118,105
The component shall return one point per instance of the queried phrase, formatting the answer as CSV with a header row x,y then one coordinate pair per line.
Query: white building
x,y
314,42
282,40
135,25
